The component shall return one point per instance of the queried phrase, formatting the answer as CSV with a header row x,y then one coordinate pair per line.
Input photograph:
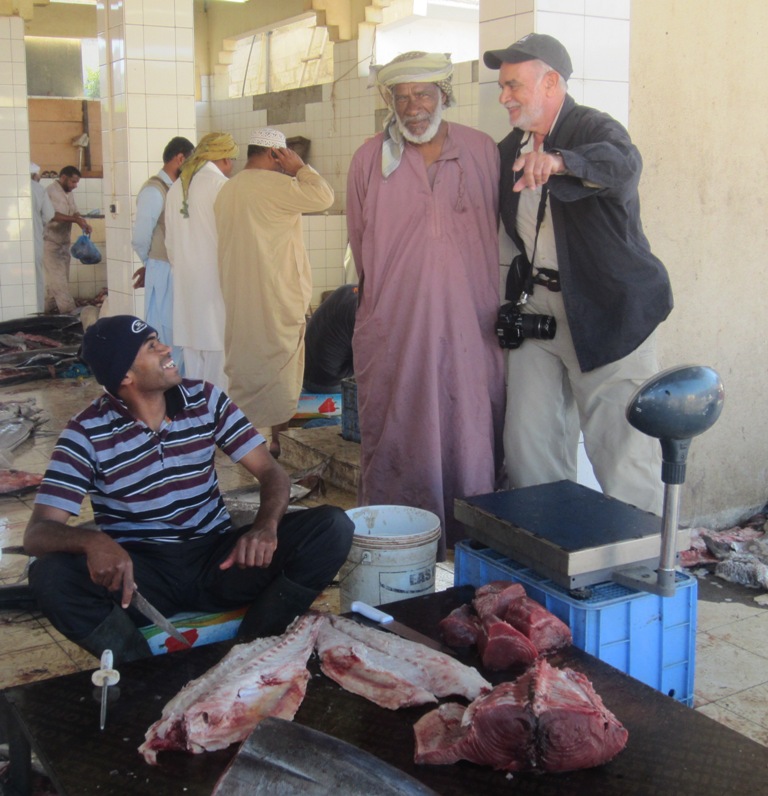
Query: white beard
x,y
428,134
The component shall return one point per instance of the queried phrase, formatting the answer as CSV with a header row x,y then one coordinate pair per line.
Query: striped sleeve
x,y
69,476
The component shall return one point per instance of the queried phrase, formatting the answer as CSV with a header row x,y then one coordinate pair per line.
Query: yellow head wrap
x,y
412,67
214,146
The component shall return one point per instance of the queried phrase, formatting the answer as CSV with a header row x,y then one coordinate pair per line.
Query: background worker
x,y
148,241
57,241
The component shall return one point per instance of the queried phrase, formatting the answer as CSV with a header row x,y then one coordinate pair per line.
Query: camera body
x,y
513,326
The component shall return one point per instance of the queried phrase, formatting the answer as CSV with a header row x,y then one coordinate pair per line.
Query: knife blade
x,y
388,622
142,604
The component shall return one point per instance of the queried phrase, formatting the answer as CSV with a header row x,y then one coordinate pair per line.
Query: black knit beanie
x,y
110,345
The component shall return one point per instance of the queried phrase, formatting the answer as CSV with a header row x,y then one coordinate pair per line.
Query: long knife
x,y
154,616
388,622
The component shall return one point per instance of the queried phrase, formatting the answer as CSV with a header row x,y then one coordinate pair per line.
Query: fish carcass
x,y
390,671
548,719
267,677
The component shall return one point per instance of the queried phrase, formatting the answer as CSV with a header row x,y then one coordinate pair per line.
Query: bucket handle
x,y
365,558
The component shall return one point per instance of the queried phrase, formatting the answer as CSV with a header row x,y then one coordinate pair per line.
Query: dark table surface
x,y
672,749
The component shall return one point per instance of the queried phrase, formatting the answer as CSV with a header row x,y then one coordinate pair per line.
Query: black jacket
x,y
615,291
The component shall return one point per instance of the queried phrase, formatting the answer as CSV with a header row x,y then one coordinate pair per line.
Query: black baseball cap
x,y
533,46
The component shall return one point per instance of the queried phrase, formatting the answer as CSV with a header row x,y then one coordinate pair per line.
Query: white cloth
x,y
198,310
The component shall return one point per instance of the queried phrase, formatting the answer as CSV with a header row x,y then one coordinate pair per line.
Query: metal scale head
x,y
673,406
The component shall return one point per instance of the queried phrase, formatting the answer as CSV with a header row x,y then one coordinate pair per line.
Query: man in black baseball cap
x,y
568,199
534,46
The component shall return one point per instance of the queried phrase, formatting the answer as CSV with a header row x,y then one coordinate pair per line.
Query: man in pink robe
x,y
422,201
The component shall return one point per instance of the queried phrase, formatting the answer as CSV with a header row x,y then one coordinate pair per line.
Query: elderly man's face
x,y
523,94
418,107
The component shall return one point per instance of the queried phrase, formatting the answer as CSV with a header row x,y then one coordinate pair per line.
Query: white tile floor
x,y
732,640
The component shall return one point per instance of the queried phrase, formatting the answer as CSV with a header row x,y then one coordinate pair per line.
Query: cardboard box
x,y
313,405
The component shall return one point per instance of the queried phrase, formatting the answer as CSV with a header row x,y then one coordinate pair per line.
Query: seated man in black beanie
x,y
144,452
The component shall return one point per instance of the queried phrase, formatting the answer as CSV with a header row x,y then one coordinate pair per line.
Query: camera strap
x,y
540,213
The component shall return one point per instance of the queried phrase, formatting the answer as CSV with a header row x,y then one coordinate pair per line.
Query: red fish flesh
x,y
390,671
494,598
545,631
17,482
547,720
460,628
502,646
267,677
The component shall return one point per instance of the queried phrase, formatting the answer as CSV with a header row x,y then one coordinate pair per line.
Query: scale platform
x,y
573,535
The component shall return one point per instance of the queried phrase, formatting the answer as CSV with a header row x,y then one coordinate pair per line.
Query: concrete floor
x,y
732,634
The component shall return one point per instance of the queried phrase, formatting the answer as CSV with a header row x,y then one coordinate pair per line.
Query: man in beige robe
x,y
266,278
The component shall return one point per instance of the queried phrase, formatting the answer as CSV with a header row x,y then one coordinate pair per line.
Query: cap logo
x,y
138,326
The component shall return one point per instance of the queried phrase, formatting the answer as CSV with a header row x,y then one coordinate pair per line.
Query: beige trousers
x,y
549,400
56,259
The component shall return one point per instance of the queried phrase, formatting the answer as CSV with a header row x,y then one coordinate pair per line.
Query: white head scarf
x,y
412,67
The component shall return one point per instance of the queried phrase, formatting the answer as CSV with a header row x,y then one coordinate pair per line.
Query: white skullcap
x,y
33,168
267,136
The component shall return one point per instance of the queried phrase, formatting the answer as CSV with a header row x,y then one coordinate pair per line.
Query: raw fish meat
x,y
390,671
494,598
545,631
502,646
547,720
267,677
460,628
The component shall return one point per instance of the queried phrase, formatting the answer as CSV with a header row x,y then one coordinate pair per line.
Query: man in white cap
x,y
266,278
422,221
569,202
42,213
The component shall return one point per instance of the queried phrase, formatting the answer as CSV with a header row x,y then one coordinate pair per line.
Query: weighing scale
x,y
576,536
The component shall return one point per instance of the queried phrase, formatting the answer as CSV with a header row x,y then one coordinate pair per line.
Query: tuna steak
x,y
460,628
267,677
391,671
494,598
547,720
545,631
502,646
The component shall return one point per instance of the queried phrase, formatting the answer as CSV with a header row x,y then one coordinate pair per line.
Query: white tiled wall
x,y
17,264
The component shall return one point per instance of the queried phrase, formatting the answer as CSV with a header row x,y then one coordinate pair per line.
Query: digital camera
x,y
513,326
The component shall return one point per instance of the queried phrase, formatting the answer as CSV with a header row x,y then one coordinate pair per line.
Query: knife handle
x,y
370,612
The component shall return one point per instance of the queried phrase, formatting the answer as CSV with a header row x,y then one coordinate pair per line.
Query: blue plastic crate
x,y
648,637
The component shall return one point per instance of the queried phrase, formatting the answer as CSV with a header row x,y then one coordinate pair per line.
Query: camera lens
x,y
540,327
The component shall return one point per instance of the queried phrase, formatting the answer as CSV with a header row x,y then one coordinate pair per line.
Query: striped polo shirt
x,y
144,485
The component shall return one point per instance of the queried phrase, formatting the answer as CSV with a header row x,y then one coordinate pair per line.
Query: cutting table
x,y
672,749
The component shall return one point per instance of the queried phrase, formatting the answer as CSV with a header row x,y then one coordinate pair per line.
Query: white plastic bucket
x,y
392,557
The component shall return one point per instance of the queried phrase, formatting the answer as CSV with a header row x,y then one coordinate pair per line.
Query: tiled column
x,y
595,33
146,55
17,259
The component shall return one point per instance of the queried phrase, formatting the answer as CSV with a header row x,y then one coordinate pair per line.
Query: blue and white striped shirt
x,y
144,485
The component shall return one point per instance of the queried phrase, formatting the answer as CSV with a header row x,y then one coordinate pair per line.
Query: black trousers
x,y
312,546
